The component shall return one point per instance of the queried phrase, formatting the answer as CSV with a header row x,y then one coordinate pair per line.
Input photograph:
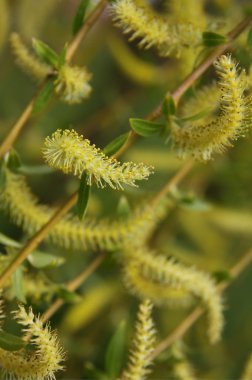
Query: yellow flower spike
x,y
181,368
153,29
72,84
143,344
26,60
70,153
202,141
17,199
158,269
40,364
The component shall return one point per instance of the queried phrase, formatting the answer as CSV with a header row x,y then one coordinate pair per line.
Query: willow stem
x,y
188,322
72,48
74,284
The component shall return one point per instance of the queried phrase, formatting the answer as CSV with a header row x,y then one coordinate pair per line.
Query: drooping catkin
x,y
143,344
202,141
26,60
180,368
17,199
168,36
168,272
71,153
43,361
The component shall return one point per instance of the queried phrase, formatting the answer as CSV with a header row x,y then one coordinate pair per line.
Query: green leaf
x,y
115,352
45,53
62,56
83,196
35,169
146,128
44,95
79,16
13,160
123,208
249,37
9,342
42,260
169,106
67,295
8,242
221,276
18,284
213,39
115,145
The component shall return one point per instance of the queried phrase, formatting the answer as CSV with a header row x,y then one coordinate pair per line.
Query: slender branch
x,y
36,239
73,46
41,234
74,284
188,322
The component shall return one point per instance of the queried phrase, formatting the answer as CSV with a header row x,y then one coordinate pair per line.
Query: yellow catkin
x,y
143,345
43,361
143,287
168,272
72,84
17,199
168,36
71,153
26,60
202,141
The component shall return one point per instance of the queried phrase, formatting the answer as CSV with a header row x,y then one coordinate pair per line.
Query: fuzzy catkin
x,y
40,364
143,345
167,272
17,199
202,141
26,60
71,153
153,29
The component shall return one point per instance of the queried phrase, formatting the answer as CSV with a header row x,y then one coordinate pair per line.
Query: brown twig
x,y
188,322
74,284
73,46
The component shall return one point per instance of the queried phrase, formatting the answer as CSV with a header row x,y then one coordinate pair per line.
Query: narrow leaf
x,y
44,95
213,39
13,160
18,284
45,53
116,144
42,260
83,196
2,175
8,242
197,116
67,295
79,16
115,352
9,342
146,128
62,56
169,106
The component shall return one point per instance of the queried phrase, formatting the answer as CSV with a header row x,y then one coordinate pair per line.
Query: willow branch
x,y
188,322
42,233
74,284
72,48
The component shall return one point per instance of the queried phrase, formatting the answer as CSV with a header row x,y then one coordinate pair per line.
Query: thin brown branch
x,y
74,284
189,321
72,48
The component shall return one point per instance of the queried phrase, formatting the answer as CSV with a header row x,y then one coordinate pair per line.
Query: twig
x,y
74,284
187,323
73,46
